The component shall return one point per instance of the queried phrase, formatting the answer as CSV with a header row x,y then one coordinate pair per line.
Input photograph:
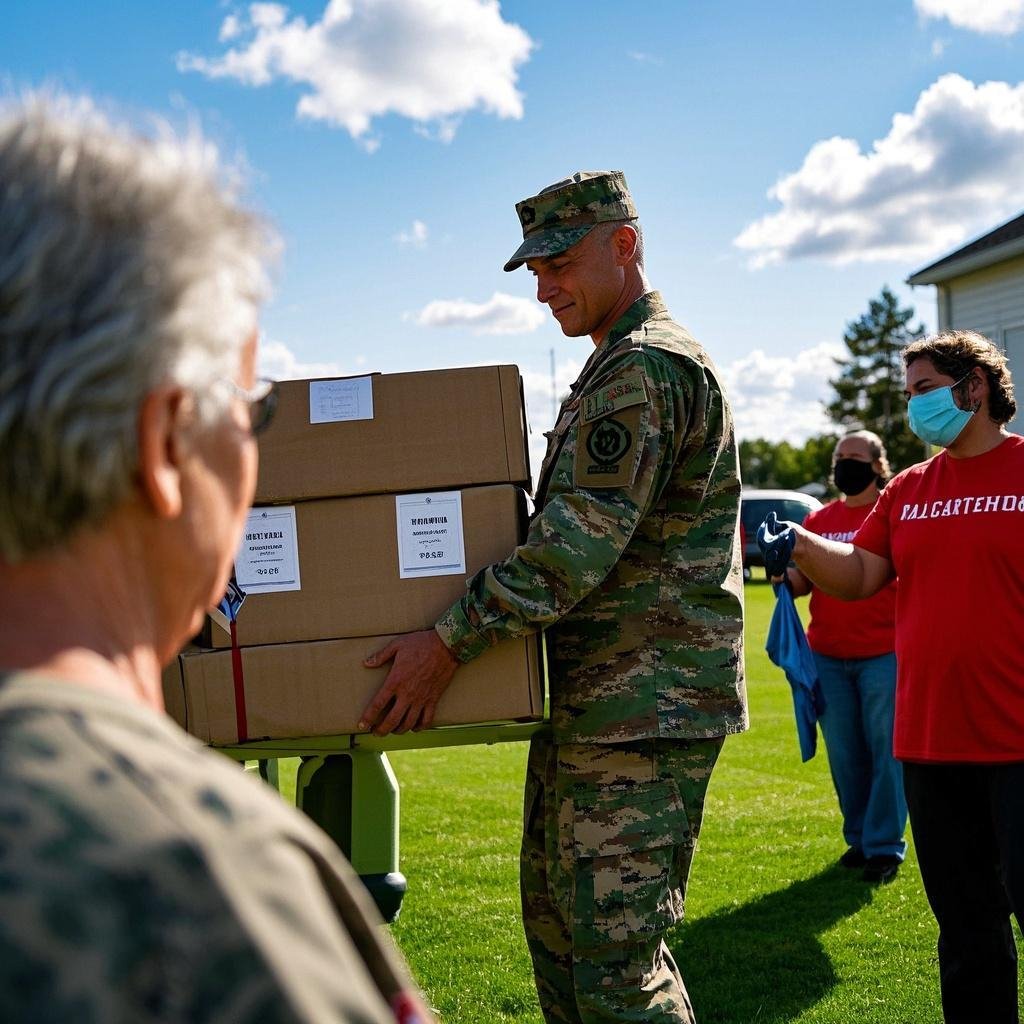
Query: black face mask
x,y
852,476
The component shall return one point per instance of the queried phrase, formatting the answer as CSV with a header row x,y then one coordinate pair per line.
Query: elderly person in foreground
x,y
142,878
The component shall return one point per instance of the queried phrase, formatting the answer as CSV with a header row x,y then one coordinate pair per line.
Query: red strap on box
x,y
239,681
407,1009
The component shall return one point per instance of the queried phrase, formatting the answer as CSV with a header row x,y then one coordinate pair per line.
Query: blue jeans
x,y
860,696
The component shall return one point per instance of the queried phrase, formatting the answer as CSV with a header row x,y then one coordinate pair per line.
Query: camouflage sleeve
x,y
613,464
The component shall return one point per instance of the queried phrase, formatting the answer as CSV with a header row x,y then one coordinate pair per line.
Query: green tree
x,y
758,463
780,464
817,459
870,382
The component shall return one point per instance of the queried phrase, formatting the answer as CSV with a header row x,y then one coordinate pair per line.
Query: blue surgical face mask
x,y
936,418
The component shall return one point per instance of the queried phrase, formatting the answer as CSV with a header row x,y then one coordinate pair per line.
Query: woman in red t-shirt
x,y
854,647
952,530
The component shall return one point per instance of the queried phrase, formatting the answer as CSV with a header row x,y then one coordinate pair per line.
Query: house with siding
x,y
980,287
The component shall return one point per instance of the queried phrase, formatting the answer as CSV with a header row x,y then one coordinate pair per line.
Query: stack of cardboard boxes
x,y
377,498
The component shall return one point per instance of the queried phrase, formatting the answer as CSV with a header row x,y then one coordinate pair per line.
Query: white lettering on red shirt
x,y
979,503
953,530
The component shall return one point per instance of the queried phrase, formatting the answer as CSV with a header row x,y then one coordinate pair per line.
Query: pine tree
x,y
869,388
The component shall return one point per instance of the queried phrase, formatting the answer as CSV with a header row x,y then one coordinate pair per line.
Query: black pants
x,y
968,825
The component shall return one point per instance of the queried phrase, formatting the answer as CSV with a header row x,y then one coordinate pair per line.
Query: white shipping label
x,y
430,541
268,558
334,401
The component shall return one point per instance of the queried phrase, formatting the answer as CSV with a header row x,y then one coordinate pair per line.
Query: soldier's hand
x,y
421,669
776,538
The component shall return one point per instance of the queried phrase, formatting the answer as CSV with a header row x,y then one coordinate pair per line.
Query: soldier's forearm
x,y
572,547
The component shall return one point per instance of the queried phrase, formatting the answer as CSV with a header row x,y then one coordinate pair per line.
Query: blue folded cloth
x,y
787,648
229,605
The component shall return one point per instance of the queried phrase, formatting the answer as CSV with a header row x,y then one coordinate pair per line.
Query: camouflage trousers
x,y
608,838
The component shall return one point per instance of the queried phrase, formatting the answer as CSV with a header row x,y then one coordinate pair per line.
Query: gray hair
x,y
605,231
126,263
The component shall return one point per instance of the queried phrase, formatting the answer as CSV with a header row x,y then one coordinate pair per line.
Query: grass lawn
x,y
774,930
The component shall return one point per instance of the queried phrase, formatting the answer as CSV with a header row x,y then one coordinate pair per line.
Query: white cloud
x,y
537,389
427,60
945,171
781,398
938,47
997,17
416,236
231,28
644,58
278,362
500,314
443,130
543,396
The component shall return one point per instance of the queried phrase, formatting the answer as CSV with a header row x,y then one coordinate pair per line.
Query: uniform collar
x,y
649,306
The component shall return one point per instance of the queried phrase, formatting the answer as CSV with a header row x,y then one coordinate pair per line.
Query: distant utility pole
x,y
554,390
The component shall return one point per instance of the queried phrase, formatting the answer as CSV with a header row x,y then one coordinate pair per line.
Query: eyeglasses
x,y
261,399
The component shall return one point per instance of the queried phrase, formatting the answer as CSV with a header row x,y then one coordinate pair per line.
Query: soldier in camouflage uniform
x,y
632,567
143,879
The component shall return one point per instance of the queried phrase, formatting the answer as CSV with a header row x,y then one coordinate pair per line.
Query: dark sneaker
x,y
853,858
881,869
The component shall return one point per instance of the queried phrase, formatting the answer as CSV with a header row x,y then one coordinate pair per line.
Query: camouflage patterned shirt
x,y
144,879
632,562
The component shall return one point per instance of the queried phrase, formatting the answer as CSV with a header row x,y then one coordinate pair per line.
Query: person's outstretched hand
x,y
776,538
421,669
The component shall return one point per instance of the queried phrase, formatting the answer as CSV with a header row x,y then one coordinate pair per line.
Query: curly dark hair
x,y
955,353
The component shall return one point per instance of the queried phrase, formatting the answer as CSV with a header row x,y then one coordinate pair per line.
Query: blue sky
x,y
788,159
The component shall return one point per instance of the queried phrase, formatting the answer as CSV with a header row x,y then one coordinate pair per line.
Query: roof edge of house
x,y
953,266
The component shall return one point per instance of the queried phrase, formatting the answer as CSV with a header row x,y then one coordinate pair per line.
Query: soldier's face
x,y
582,285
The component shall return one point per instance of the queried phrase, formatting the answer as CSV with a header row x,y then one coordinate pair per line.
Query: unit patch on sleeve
x,y
608,449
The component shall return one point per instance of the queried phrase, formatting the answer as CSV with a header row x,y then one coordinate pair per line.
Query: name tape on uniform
x,y
620,395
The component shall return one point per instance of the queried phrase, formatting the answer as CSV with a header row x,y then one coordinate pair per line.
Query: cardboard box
x,y
174,693
320,689
348,555
429,430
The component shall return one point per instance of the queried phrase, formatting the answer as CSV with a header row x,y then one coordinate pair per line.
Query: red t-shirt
x,y
849,629
954,531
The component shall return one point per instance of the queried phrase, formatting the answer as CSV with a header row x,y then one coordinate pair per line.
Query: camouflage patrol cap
x,y
561,214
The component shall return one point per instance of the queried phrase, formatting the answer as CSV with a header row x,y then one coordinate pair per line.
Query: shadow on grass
x,y
763,961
